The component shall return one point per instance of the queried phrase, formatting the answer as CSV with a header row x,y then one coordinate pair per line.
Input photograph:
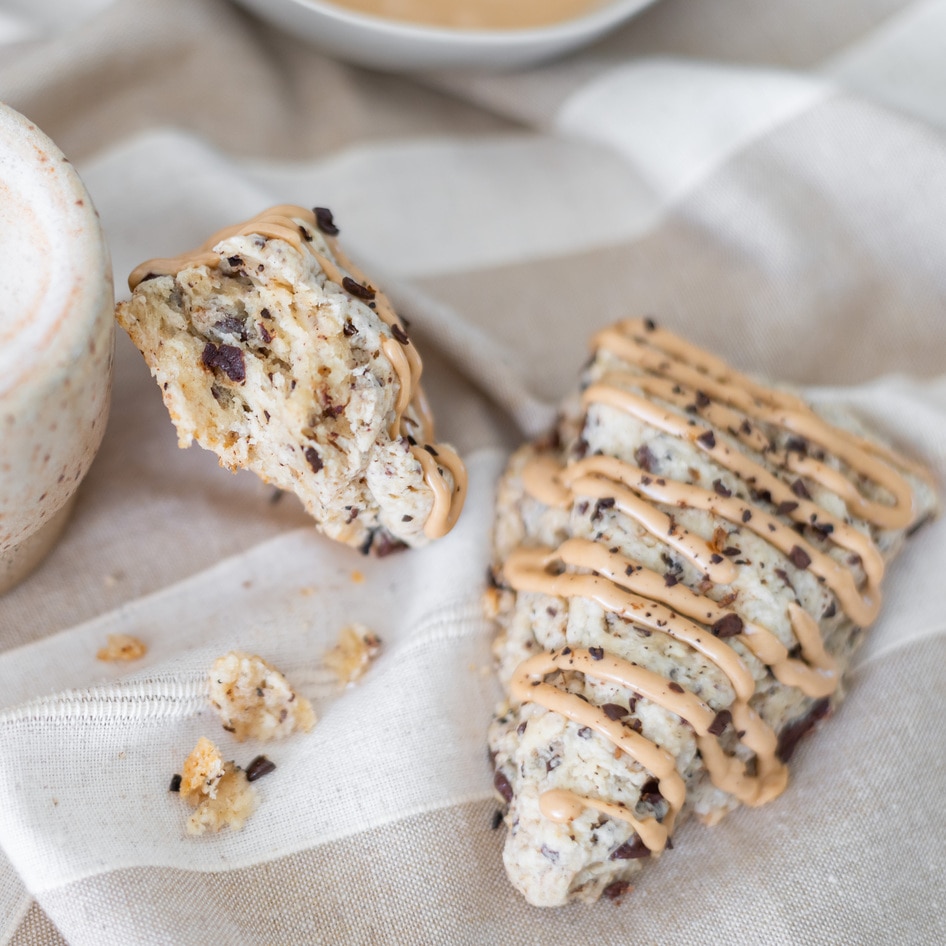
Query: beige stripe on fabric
x,y
37,930
438,878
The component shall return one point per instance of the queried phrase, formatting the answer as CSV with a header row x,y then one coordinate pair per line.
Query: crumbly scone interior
x,y
665,647
269,352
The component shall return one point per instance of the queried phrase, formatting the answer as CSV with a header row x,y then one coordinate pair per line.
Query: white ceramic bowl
x,y
56,332
396,46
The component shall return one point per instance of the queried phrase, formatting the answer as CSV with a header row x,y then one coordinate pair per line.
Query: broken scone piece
x,y
275,352
255,701
218,790
683,571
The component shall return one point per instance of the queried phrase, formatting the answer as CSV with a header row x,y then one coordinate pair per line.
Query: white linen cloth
x,y
768,179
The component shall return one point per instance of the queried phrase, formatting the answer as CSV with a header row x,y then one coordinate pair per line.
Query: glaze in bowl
x,y
56,335
397,46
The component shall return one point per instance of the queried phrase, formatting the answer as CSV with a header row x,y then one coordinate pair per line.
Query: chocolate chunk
x,y
264,333
784,508
617,889
728,626
799,557
675,687
349,329
731,551
228,358
718,726
497,819
645,458
175,785
597,653
670,580
746,515
716,558
799,489
259,767
235,261
632,849
614,710
313,459
788,738
600,506
357,289
399,334
325,221
501,784
707,439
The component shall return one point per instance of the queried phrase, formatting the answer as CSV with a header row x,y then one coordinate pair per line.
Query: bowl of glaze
x,y
56,334
397,44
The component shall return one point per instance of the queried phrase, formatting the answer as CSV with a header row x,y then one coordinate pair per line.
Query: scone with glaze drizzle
x,y
275,352
683,571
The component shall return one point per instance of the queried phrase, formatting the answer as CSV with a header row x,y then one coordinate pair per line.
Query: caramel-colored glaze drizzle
x,y
718,401
561,805
412,417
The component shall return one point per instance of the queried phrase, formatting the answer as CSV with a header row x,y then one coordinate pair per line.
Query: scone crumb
x,y
122,647
255,701
357,647
219,791
202,772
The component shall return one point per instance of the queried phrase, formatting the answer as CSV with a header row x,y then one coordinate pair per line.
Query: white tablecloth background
x,y
768,178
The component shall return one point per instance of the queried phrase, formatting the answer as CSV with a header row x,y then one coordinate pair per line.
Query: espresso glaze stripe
x,y
288,223
663,353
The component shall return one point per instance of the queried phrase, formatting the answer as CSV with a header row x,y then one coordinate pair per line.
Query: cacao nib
x,y
325,221
259,767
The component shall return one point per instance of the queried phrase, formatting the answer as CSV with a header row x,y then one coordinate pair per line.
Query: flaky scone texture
x,y
682,573
271,350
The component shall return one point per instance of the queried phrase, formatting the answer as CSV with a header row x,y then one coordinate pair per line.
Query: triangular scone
x,y
272,350
682,573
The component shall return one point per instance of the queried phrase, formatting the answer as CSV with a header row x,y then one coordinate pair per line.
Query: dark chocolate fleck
x,y
800,558
670,580
597,653
645,458
431,450
399,334
614,710
830,611
799,489
264,333
305,234
617,889
707,439
585,732
746,515
788,738
501,784
259,767
349,329
497,819
313,459
632,849
675,687
649,324
325,221
175,785
729,625
721,488
718,726
784,508
548,853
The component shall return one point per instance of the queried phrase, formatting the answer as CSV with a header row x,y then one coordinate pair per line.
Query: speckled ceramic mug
x,y
56,335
